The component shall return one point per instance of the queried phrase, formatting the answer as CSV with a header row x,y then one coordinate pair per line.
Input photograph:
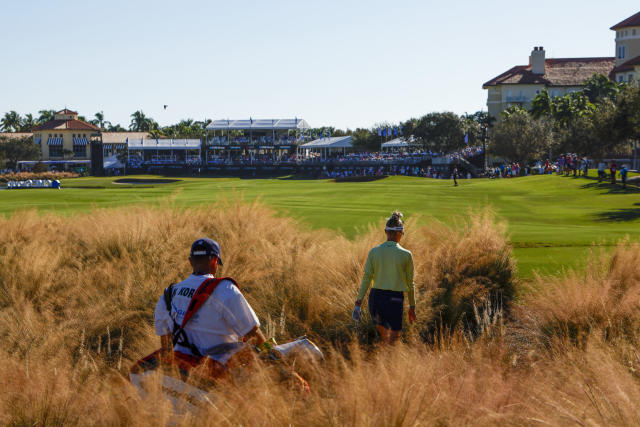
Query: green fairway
x,y
552,220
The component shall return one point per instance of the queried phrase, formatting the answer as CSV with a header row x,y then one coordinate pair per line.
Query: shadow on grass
x,y
620,215
610,188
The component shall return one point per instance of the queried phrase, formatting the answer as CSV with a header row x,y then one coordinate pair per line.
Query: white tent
x,y
333,142
163,144
396,143
112,162
259,124
326,145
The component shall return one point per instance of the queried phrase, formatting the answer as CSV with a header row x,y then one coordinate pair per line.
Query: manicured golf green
x,y
553,221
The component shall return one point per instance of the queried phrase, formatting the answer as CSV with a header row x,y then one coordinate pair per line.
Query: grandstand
x,y
259,139
158,152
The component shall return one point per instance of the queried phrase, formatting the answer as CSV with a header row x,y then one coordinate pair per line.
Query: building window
x,y
55,151
79,151
620,79
633,32
630,78
622,52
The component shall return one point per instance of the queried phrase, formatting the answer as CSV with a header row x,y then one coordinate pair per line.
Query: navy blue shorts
x,y
386,308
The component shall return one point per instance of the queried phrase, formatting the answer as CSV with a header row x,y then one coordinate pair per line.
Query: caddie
x,y
221,324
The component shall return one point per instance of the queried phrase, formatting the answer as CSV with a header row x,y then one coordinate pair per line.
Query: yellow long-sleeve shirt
x,y
390,267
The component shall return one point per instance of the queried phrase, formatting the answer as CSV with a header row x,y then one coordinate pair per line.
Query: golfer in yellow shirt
x,y
390,268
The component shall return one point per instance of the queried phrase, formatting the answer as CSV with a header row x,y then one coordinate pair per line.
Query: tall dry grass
x,y
77,297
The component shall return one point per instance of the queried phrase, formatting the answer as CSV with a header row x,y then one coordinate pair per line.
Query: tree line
x,y
14,122
600,120
438,131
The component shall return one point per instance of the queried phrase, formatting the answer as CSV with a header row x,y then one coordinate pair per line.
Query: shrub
x,y
470,275
23,176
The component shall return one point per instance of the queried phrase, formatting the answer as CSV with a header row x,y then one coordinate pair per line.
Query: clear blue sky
x,y
339,63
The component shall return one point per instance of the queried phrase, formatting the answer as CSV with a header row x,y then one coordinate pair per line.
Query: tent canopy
x,y
397,143
333,142
112,163
164,144
259,124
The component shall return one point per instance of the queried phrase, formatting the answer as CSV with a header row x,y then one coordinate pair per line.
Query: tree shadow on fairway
x,y
620,215
610,188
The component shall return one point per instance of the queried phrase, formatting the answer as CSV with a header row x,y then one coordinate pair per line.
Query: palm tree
x,y
100,121
542,105
115,128
27,123
11,122
142,123
600,87
169,131
46,115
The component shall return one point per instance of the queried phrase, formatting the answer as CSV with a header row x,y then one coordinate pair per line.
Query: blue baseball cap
x,y
206,247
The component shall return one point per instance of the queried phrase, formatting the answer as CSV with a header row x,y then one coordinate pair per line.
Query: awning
x,y
333,142
54,141
114,146
164,144
259,124
80,141
396,143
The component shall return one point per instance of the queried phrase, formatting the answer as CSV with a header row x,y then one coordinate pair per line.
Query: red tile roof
x,y
630,65
66,111
633,21
558,72
66,125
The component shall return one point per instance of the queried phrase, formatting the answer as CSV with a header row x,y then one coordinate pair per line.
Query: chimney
x,y
537,60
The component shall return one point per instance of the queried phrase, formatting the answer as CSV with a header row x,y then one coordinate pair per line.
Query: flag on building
x,y
379,132
466,138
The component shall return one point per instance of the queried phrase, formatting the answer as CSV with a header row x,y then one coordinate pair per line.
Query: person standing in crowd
x,y
585,167
602,166
390,268
613,169
623,176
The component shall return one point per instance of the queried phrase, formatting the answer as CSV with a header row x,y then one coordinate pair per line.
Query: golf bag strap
x,y
200,296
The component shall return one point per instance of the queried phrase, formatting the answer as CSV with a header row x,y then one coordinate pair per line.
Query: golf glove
x,y
357,314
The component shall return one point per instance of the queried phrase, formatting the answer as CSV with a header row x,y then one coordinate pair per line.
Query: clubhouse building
x,y
521,83
65,137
